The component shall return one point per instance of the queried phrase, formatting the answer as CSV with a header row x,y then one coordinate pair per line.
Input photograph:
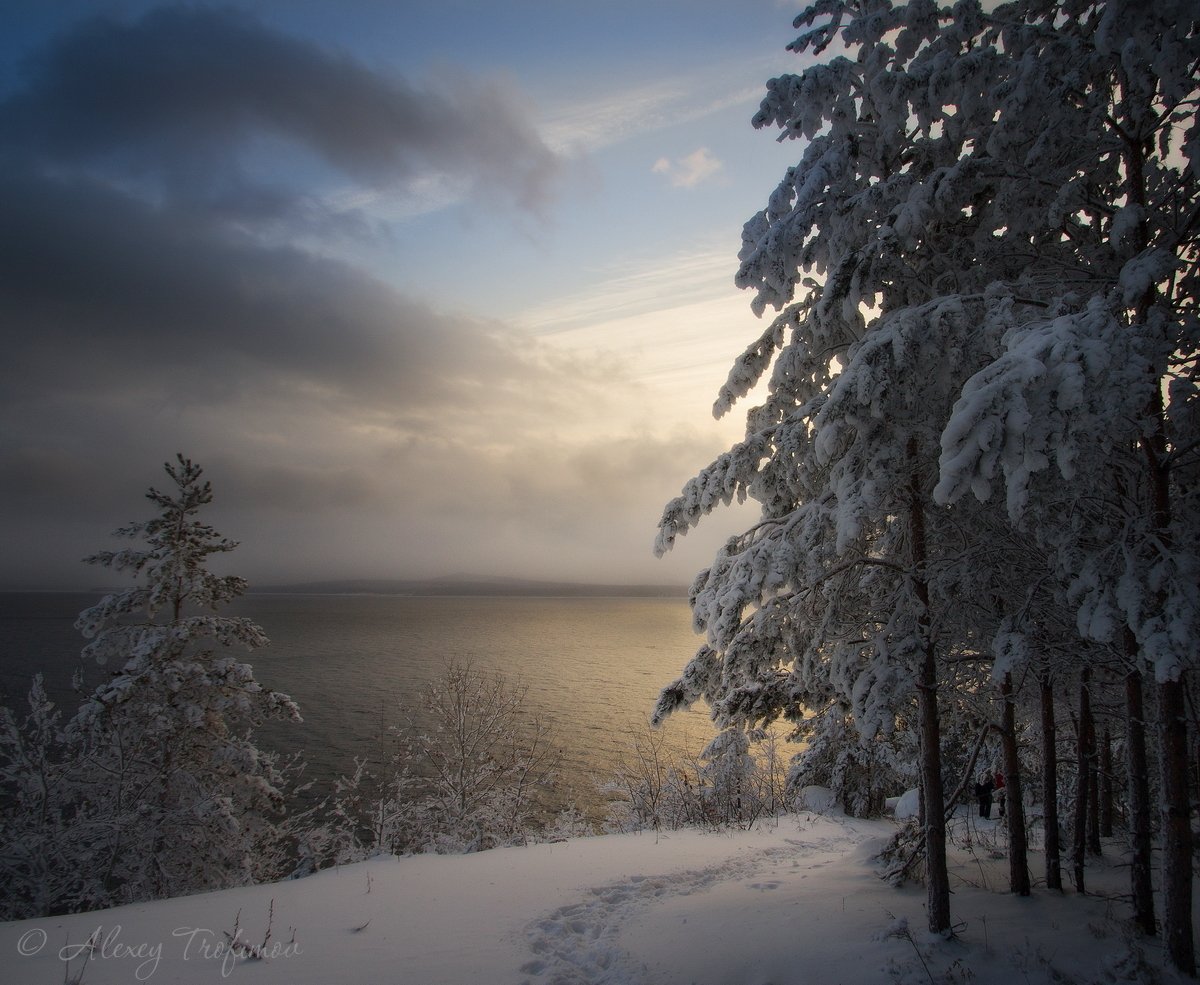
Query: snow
x,y
907,804
797,901
820,800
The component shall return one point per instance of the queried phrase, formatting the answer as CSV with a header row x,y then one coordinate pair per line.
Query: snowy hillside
x,y
794,903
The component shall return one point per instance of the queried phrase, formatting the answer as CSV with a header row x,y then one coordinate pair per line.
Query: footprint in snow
x,y
577,944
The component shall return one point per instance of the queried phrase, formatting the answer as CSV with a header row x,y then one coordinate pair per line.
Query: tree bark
x,y
1106,786
937,875
1173,751
1018,854
1177,827
933,795
1082,772
1050,788
1140,837
1093,828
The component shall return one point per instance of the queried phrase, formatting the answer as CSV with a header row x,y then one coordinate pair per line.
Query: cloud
x,y
188,95
154,296
98,292
690,171
620,114
170,281
348,426
637,288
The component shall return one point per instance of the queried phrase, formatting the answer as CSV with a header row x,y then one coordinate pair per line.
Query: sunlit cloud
x,y
691,170
621,114
637,288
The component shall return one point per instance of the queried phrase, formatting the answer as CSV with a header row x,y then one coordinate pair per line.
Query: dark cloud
x,y
154,299
99,291
182,92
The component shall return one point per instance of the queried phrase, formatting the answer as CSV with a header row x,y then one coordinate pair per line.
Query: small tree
x,y
175,723
649,788
44,849
155,787
468,773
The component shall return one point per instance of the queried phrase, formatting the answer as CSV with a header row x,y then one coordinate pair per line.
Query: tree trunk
x,y
1018,855
1082,772
1140,838
1173,753
1106,786
1093,802
1177,827
937,875
1050,788
1093,828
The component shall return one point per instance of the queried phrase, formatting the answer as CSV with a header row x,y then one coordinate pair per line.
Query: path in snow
x,y
585,942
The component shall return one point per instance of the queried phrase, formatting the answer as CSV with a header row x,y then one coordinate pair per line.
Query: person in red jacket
x,y
998,785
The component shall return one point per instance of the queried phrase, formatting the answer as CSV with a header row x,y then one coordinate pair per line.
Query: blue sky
x,y
426,287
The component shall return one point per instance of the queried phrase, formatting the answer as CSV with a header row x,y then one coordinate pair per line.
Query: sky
x,y
427,288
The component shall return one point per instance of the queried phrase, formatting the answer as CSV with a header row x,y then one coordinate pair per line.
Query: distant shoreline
x,y
471,587
453,587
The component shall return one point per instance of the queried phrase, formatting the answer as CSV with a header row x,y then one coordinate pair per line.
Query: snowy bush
x,y
467,770
860,771
737,779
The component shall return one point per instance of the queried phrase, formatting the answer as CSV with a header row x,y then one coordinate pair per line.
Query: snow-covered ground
x,y
795,902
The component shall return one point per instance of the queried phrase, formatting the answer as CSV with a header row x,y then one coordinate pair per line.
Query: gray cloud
x,y
178,94
98,291
152,300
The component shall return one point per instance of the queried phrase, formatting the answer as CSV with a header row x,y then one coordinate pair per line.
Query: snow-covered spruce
x,y
155,786
985,272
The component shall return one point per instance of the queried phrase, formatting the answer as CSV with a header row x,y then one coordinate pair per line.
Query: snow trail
x,y
581,943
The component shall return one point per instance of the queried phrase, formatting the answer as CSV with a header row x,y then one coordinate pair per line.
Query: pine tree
x,y
985,267
1101,384
168,738
875,248
46,841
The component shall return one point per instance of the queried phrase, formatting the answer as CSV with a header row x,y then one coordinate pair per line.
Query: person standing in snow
x,y
998,784
983,791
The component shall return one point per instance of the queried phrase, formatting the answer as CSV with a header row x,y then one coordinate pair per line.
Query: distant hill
x,y
471,585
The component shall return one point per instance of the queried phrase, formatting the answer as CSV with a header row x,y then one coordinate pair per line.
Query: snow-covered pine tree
x,y
168,739
46,862
1101,385
879,248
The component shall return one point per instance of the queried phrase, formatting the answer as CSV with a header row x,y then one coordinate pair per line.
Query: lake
x,y
593,666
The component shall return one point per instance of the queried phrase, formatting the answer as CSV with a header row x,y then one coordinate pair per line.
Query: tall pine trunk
x,y
1173,739
937,875
1082,774
1106,786
1177,827
1018,855
1053,849
1173,751
1093,828
933,795
1140,836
